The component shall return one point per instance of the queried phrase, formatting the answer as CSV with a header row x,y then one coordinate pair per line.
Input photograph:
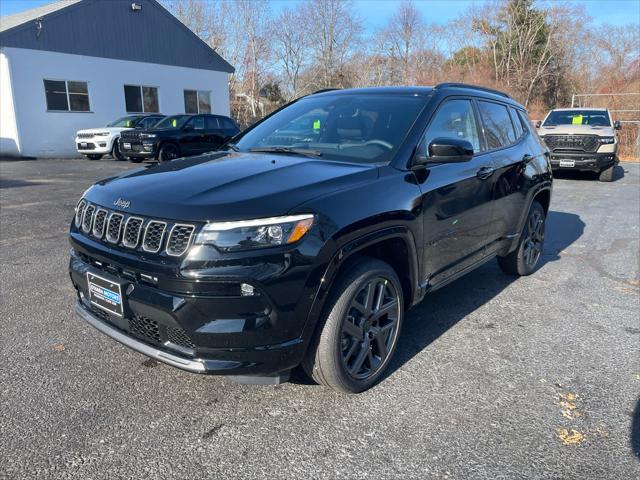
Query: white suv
x,y
94,143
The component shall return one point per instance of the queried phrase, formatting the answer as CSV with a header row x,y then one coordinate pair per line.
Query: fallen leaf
x,y
570,437
58,347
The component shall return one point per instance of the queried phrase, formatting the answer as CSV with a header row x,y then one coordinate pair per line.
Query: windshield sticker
x,y
316,124
174,123
576,120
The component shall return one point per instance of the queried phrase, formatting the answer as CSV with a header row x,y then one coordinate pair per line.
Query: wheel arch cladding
x,y
543,197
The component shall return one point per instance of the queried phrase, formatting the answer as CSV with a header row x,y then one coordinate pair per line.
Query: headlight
x,y
101,134
258,233
606,139
148,135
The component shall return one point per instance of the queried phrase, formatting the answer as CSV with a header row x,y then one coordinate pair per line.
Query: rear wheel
x,y
524,259
168,152
606,175
116,153
360,329
94,156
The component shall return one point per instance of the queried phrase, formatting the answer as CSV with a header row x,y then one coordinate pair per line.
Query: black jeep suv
x,y
178,136
307,239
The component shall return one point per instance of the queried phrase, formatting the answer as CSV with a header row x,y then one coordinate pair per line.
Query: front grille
x,y
99,223
179,337
130,135
87,218
145,328
179,239
131,235
153,236
568,143
85,135
149,235
113,228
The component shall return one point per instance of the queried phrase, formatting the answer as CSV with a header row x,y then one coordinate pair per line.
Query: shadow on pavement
x,y
577,175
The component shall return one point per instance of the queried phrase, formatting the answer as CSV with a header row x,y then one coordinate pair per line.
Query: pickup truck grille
x,y
568,143
133,231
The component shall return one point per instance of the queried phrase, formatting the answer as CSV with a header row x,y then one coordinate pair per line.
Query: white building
x,y
79,64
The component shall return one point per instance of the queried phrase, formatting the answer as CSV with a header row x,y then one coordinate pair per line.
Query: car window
x,y
197,123
454,119
226,123
526,122
212,123
517,123
498,129
150,122
595,118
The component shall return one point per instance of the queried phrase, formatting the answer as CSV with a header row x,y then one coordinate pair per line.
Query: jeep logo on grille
x,y
122,203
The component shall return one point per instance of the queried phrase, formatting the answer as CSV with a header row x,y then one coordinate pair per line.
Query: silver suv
x,y
581,139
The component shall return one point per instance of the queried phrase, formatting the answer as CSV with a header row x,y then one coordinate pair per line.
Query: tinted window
x,y
141,99
129,121
526,123
597,118
149,122
211,123
197,123
67,96
174,121
498,128
226,123
454,119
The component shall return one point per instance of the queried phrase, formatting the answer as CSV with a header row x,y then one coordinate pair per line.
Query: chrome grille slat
x,y
80,211
131,233
99,223
179,239
87,218
153,236
114,225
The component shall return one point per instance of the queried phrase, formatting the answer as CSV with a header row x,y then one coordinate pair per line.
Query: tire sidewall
x,y
523,268
115,151
162,153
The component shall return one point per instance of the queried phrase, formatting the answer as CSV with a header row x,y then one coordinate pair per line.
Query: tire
x,y
94,156
343,353
115,151
135,159
607,174
168,152
524,260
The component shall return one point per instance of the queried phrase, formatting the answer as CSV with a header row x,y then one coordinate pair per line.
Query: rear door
x,y
214,134
510,153
457,204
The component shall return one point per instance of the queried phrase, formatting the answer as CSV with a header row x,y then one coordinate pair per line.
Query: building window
x,y
197,101
140,99
66,96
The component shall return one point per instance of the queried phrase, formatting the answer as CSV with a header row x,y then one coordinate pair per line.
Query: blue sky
x,y
377,12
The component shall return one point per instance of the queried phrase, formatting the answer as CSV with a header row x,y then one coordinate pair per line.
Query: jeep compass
x,y
306,240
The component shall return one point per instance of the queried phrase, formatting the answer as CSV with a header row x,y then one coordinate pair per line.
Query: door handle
x,y
527,158
485,172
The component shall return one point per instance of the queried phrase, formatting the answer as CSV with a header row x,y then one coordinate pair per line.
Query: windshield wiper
x,y
291,151
232,146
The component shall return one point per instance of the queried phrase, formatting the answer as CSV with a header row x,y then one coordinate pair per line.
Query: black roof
x,y
111,29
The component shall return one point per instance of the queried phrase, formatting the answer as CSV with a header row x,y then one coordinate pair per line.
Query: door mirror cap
x,y
617,125
538,123
447,150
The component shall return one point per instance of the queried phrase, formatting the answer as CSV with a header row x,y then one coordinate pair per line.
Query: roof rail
x,y
472,87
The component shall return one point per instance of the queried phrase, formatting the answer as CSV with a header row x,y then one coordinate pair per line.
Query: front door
x,y
194,137
457,205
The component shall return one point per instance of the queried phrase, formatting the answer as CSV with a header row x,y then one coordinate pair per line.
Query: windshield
x,y
127,122
366,128
174,121
594,118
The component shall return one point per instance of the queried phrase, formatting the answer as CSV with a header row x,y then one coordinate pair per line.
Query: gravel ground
x,y
494,378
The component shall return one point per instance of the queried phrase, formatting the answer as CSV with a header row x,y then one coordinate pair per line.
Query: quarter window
x,y
455,119
197,101
67,95
498,129
141,99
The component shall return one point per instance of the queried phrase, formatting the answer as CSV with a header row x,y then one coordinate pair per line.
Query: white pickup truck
x,y
581,139
94,143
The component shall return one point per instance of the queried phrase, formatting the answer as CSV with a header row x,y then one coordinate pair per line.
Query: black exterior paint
x,y
111,29
432,222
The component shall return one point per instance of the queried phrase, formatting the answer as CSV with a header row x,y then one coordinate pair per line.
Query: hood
x,y
104,129
227,186
576,130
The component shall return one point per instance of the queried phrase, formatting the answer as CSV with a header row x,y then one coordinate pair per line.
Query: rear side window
x,y
498,128
227,123
454,119
517,124
197,123
211,123
526,123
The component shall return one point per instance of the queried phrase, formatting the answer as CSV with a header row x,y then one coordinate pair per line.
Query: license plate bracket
x,y
567,163
105,293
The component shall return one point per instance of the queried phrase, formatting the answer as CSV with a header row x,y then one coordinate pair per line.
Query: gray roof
x,y
9,21
111,29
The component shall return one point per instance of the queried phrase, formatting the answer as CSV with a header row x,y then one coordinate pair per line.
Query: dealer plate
x,y
127,146
105,294
567,163
83,145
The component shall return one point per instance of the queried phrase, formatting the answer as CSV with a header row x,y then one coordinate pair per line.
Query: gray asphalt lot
x,y
494,378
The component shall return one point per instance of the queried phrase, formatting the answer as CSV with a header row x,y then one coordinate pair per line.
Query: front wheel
x,y
524,259
360,329
607,174
116,153
94,157
168,152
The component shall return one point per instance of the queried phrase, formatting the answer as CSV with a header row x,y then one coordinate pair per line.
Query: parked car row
x,y
157,137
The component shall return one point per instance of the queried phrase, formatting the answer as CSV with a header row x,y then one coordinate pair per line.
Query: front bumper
x,y
591,162
93,146
139,149
204,327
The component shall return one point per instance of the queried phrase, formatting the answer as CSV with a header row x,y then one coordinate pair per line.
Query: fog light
x,y
103,144
246,290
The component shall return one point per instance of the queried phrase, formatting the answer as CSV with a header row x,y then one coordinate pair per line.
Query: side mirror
x,y
447,150
538,123
617,125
